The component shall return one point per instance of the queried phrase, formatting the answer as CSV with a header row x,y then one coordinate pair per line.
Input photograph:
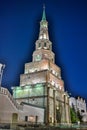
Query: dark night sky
x,y
19,29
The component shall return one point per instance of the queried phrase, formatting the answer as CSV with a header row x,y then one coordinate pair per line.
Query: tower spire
x,y
44,14
43,26
43,44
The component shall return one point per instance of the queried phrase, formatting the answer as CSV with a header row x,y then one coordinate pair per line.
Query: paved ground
x,y
37,127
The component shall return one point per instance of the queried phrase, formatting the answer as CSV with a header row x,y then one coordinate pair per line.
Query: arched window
x,y
45,44
39,45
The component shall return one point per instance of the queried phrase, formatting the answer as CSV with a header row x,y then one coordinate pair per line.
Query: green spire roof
x,y
44,14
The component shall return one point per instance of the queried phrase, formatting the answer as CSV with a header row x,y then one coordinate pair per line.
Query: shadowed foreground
x,y
51,128
41,127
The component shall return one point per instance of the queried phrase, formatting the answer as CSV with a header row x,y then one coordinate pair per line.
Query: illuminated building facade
x,y
41,84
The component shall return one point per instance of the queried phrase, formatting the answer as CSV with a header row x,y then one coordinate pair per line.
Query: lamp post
x,y
67,107
2,66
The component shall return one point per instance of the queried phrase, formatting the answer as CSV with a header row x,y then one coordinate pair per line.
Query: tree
x,y
74,117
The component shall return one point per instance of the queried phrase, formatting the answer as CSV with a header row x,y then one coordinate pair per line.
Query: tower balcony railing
x,y
6,92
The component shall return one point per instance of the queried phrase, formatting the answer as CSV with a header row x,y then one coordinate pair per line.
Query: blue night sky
x,y
19,29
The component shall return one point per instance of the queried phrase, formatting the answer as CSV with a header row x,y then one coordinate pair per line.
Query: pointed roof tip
x,y
43,6
44,14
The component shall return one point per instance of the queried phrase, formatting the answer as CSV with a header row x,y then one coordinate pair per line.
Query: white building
x,y
78,103
12,112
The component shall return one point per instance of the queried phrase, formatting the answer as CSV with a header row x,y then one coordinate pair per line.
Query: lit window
x,y
60,88
31,118
56,85
44,36
53,72
53,83
44,24
40,36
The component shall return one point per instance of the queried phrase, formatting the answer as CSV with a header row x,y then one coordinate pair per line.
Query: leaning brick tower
x,y
41,84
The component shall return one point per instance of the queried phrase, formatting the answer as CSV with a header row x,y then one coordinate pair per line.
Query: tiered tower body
x,y
41,84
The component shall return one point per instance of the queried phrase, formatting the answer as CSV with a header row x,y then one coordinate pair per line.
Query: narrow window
x,y
39,44
26,118
45,44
